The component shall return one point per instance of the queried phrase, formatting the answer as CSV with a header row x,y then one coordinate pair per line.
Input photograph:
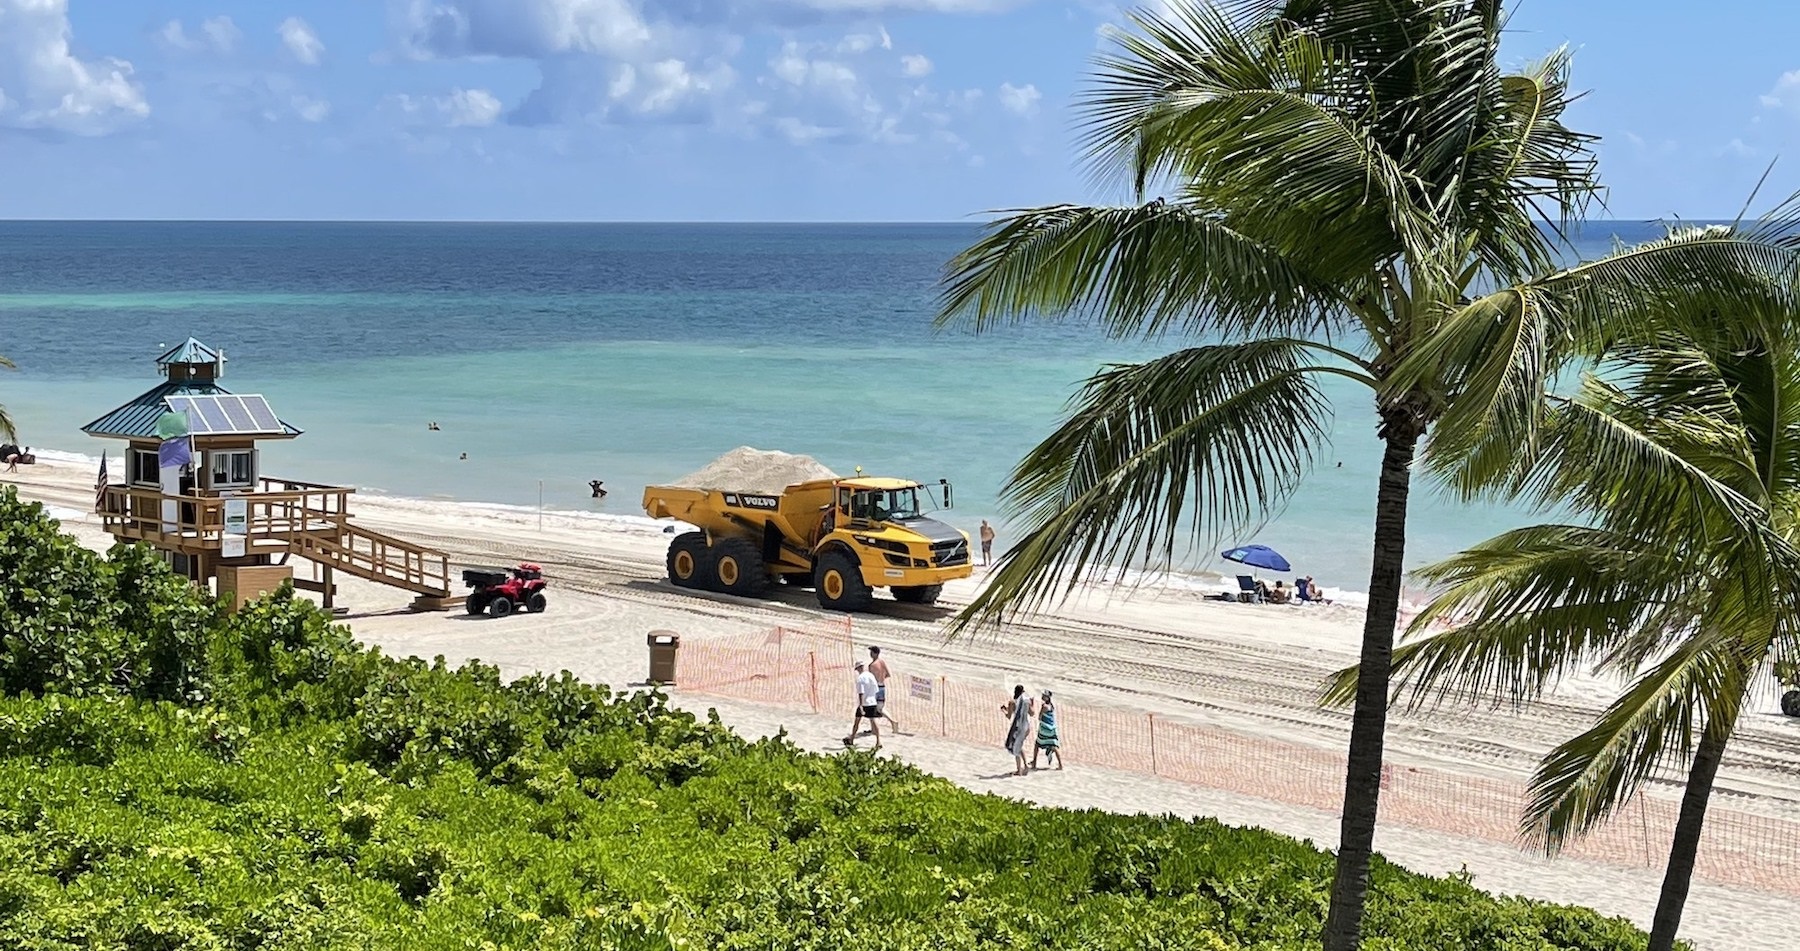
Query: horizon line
x,y
973,218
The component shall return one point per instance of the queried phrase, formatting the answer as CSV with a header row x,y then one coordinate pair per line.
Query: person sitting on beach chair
x,y
1280,595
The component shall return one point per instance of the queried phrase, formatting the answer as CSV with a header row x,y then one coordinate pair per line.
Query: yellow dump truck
x,y
842,537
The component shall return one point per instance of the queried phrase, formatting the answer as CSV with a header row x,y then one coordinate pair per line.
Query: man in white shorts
x,y
867,706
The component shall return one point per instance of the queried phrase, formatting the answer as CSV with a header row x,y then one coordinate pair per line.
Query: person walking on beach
x,y
878,668
867,707
1049,740
987,542
1018,729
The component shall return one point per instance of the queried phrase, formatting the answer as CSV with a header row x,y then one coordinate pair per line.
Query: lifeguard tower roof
x,y
190,351
191,385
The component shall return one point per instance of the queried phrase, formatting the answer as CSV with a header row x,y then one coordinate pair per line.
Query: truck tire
x,y
840,584
1790,703
501,606
738,568
919,594
687,561
477,604
536,602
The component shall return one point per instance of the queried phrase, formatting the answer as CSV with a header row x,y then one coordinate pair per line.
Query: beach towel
x,y
1020,728
1047,737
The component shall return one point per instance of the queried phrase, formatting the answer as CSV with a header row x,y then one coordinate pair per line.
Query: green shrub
x,y
173,777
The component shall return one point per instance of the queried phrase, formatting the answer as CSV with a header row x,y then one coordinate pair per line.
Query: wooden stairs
x,y
384,559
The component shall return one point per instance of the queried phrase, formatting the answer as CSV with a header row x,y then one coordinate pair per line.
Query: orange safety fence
x,y
809,668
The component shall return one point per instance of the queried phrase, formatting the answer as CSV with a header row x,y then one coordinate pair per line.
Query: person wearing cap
x,y
867,707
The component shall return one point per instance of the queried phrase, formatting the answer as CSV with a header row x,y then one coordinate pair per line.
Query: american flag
x,y
100,485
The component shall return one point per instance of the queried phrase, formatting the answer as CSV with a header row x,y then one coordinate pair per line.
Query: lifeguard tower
x,y
220,518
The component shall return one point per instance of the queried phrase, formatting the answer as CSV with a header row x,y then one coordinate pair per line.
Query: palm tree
x,y
1321,187
6,424
1686,579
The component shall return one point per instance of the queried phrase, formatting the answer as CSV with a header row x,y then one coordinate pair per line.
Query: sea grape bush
x,y
176,777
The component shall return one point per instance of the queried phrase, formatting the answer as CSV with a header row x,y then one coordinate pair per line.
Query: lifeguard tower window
x,y
226,414
142,468
232,467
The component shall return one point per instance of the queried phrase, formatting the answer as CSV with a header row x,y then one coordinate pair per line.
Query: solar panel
x,y
226,414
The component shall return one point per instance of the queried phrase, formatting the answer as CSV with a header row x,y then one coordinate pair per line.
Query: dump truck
x,y
842,537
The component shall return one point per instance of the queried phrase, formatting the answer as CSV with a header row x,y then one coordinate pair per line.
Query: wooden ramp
x,y
364,553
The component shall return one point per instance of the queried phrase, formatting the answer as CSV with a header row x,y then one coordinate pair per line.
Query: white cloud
x,y
1020,99
673,61
472,107
1738,149
1785,92
461,108
217,35
302,43
43,85
310,109
864,42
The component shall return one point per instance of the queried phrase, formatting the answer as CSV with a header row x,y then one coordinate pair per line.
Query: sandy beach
x,y
1250,669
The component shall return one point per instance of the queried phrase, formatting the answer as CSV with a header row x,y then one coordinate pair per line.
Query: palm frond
x,y
1528,606
7,428
1141,270
1197,443
1700,685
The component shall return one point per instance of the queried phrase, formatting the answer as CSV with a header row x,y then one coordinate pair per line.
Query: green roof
x,y
190,351
137,419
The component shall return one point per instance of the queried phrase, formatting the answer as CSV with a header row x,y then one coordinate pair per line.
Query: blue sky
x,y
729,109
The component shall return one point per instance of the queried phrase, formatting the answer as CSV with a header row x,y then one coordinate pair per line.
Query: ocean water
x,y
552,354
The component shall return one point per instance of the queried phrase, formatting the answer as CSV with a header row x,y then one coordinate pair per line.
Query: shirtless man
x,y
879,669
987,541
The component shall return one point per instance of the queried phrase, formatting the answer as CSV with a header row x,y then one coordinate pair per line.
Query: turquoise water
x,y
628,353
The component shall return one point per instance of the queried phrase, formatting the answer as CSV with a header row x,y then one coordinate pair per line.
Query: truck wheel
x,y
738,568
501,606
688,567
840,584
536,603
918,594
1790,703
476,604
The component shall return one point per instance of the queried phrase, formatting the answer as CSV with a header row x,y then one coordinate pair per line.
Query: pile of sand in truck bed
x,y
756,470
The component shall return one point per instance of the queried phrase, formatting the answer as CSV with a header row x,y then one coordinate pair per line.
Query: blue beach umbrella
x,y
1257,556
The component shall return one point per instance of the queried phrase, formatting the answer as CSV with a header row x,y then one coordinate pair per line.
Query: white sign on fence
x,y
237,517
920,687
231,546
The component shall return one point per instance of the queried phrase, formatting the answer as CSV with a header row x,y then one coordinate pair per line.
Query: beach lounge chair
x,y
1247,590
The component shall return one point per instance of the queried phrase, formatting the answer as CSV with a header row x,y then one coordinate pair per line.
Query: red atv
x,y
499,590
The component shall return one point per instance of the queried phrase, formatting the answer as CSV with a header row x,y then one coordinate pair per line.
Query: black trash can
x,y
663,645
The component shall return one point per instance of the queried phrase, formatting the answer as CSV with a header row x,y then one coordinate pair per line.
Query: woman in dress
x,y
1049,741
1019,709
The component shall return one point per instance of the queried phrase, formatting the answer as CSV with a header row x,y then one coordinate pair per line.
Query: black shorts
x,y
871,711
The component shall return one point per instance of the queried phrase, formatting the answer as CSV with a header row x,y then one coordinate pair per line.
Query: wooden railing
x,y
383,558
140,513
309,520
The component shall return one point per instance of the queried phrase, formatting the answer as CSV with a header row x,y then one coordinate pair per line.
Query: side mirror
x,y
944,487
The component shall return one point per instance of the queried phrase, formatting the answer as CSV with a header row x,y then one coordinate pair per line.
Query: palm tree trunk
x,y
1686,846
1368,725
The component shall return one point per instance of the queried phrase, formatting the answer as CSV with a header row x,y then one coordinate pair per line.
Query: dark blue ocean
x,y
632,353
